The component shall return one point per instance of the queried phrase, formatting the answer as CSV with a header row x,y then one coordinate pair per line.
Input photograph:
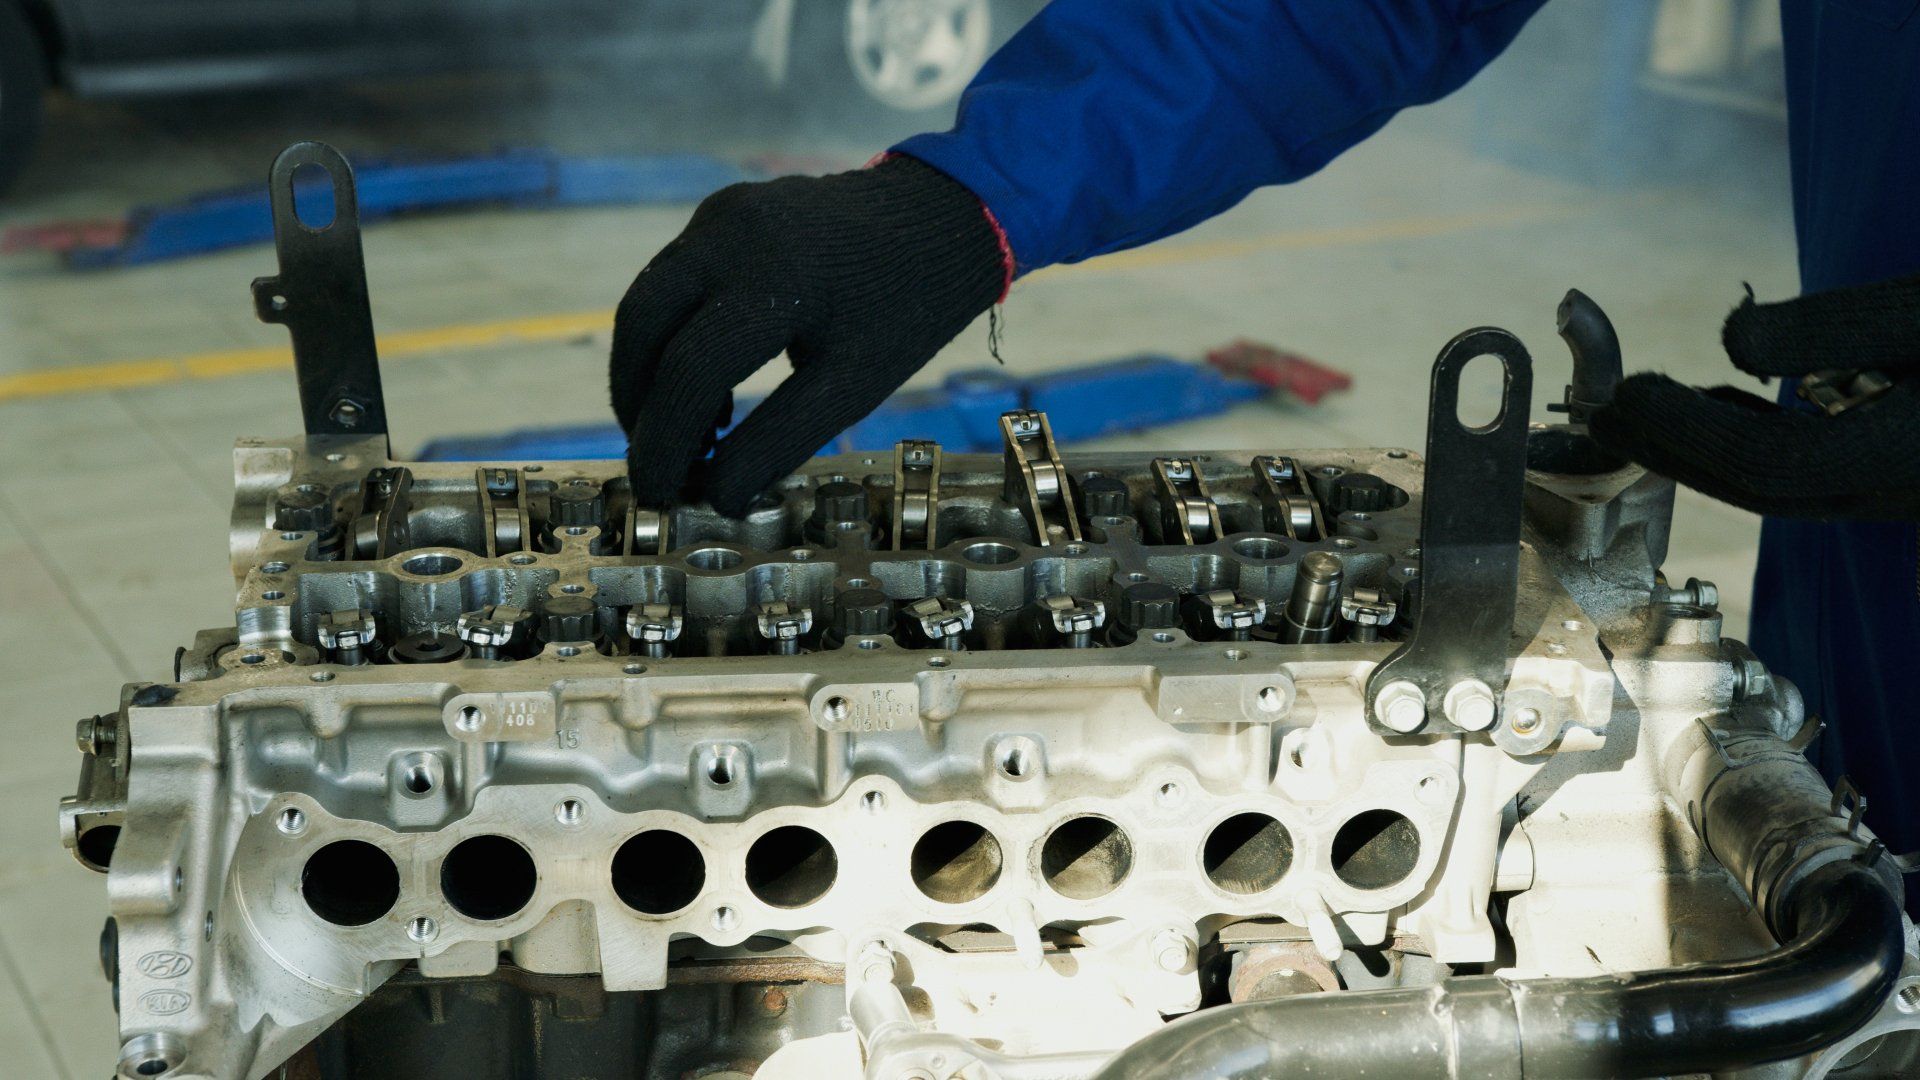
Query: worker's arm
x,y
1104,123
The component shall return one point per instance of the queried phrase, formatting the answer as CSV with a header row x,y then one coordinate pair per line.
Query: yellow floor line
x,y
567,326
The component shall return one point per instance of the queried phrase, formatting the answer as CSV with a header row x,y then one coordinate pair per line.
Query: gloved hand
x,y
1861,463
860,277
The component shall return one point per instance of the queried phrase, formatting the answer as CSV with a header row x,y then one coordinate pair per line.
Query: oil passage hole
x,y
350,883
1086,857
417,776
488,877
313,195
956,861
1247,853
792,866
1482,388
658,872
1375,849
1018,757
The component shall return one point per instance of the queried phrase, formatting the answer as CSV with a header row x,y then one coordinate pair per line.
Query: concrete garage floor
x,y
114,495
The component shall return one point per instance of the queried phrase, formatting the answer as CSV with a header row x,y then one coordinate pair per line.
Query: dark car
x,y
912,55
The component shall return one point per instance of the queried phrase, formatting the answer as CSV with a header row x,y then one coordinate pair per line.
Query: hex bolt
x,y
1470,704
858,612
842,515
95,736
1104,496
1401,706
1172,950
1145,605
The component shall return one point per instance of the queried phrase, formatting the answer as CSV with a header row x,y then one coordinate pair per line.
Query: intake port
x,y
1247,853
658,872
1086,857
956,861
1375,849
488,878
350,883
791,866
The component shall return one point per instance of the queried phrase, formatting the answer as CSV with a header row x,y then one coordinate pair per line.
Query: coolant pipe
x,y
1766,816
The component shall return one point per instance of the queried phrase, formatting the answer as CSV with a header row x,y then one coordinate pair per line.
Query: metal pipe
x,y
1766,816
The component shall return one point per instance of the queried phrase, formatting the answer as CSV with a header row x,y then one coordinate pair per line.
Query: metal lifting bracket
x,y
1450,674
320,296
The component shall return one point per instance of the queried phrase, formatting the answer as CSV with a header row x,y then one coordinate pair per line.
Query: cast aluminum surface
x,y
1040,846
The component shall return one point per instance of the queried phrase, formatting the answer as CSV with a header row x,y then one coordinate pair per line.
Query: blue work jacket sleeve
x,y
1105,124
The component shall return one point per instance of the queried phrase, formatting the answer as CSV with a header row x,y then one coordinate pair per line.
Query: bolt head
x,y
1470,704
1401,706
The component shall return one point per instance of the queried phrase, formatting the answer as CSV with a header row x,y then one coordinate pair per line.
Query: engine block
x,y
933,766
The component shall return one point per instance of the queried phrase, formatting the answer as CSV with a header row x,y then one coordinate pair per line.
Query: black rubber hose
x,y
1844,952
1590,336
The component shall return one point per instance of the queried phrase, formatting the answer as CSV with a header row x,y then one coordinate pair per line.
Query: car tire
x,y
23,90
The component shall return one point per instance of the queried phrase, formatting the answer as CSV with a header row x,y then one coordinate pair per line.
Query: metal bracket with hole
x,y
320,296
1188,514
916,494
1036,477
1457,655
1286,505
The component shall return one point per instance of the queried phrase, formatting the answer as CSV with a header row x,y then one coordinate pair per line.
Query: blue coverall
x,y
1105,124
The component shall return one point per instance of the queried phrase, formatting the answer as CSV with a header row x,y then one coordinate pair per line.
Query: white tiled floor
x,y
113,505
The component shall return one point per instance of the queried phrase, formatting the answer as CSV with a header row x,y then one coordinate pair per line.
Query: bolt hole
x,y
275,568
422,929
990,553
1075,549
567,651
873,802
720,765
1235,654
576,530
635,669
801,555
725,919
568,812
868,643
1573,625
573,590
469,718
1018,758
293,821
837,709
1171,794
1162,637
1908,999
416,776
521,560
291,536
254,658
273,594
1270,699
938,661
715,558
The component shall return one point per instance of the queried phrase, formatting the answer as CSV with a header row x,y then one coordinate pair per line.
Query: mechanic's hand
x,y
859,277
1863,463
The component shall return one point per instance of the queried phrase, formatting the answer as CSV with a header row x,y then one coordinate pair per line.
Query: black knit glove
x,y
859,277
1862,462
